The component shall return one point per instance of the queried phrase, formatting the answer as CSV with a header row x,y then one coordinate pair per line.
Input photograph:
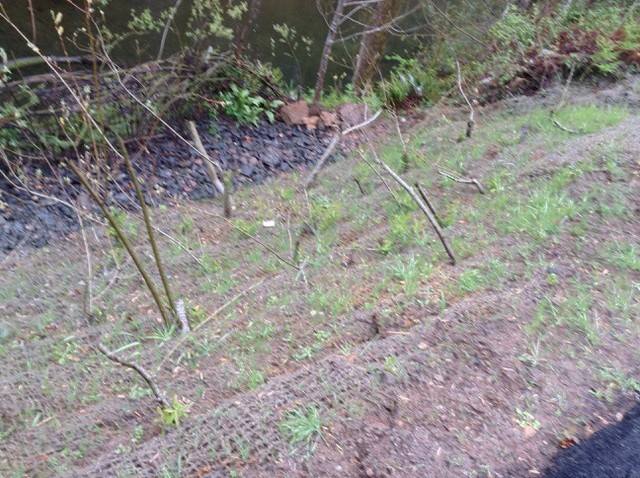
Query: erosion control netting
x,y
88,430
243,433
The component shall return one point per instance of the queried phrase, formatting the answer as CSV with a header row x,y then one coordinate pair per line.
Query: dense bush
x,y
529,49
413,80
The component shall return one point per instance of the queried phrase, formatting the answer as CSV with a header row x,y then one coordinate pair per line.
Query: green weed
x,y
541,215
163,334
256,336
247,108
625,256
472,280
623,297
325,213
392,365
302,426
526,419
585,119
330,301
575,312
172,415
410,272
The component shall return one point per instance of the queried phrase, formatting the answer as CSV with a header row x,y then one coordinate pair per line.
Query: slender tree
x,y
374,42
243,29
328,46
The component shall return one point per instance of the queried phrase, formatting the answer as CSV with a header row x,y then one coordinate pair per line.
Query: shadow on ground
x,y
613,453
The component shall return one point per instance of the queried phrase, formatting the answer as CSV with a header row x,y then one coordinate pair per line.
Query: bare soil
x,y
492,367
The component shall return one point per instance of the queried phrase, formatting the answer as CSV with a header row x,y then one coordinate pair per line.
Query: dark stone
x,y
271,158
246,170
256,153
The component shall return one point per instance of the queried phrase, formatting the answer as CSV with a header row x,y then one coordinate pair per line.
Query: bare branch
x,y
213,175
420,204
426,200
123,240
473,181
310,180
160,396
167,26
471,123
149,227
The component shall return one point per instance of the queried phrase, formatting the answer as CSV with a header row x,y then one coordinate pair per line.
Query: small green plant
x,y
244,228
526,419
325,213
532,356
552,279
541,215
65,351
163,334
620,380
392,365
137,392
410,79
125,223
304,353
333,302
302,426
470,280
256,336
576,312
197,314
186,225
254,379
172,415
625,256
138,434
247,108
410,272
623,298
249,377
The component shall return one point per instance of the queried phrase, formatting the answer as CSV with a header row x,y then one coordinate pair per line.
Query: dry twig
x,y
457,179
310,181
471,122
160,396
211,166
420,204
426,200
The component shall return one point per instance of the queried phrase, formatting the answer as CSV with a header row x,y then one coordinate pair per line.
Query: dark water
x,y
299,14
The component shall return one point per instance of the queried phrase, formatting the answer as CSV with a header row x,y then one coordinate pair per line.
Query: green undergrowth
x,y
368,252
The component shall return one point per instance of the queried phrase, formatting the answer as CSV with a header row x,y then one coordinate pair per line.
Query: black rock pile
x,y
170,171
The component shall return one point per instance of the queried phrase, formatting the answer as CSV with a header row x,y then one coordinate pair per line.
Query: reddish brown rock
x,y
312,122
295,113
328,119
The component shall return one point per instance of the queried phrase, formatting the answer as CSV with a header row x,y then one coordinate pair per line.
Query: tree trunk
x,y
326,52
374,43
244,27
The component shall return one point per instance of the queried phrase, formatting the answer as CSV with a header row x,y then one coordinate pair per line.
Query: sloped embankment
x,y
380,359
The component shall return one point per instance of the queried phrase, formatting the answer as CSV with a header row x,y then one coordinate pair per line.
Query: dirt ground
x,y
378,358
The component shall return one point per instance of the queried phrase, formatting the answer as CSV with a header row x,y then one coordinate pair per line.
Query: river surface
x,y
299,14
302,15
